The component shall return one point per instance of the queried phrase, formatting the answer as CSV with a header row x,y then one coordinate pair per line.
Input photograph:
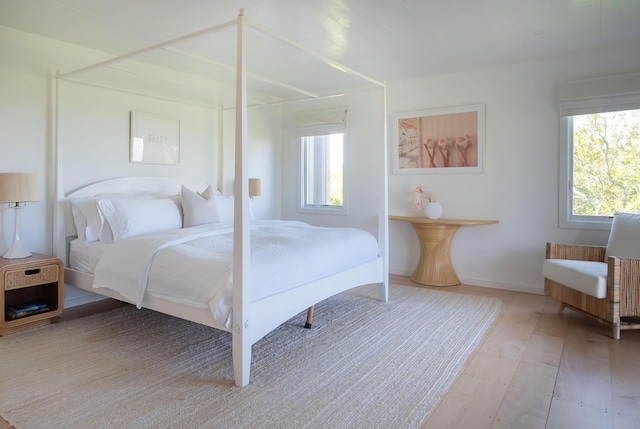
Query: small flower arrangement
x,y
420,197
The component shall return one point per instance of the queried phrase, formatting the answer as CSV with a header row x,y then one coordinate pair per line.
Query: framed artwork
x,y
446,140
154,139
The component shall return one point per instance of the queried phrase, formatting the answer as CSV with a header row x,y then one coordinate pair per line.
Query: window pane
x,y
606,149
323,170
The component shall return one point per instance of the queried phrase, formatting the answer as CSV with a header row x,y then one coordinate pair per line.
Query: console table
x,y
435,235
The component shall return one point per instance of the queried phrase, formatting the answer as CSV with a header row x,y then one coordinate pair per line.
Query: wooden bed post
x,y
241,246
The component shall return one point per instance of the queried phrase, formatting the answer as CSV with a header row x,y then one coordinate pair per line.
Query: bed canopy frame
x,y
244,329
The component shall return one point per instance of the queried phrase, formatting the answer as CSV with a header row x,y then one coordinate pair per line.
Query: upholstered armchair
x,y
601,282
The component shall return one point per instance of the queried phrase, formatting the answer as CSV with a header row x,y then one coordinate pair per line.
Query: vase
x,y
432,210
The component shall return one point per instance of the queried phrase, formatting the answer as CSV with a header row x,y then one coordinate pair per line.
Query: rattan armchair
x,y
620,309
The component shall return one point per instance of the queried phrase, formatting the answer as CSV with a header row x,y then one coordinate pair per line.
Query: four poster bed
x,y
258,273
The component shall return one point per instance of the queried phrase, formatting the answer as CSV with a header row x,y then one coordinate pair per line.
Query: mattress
x,y
84,256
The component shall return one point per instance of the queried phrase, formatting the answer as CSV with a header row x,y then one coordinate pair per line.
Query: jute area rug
x,y
364,364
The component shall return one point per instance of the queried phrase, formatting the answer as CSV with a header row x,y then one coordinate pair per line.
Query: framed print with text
x,y
154,139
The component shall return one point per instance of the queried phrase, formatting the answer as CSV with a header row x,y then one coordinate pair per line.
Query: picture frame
x,y
435,141
154,139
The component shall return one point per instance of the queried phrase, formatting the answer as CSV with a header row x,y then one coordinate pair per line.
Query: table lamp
x,y
255,187
17,188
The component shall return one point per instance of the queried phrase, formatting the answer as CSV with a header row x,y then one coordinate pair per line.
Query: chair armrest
x,y
623,287
575,252
627,270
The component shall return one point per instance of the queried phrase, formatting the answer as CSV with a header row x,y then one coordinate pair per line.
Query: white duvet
x,y
193,266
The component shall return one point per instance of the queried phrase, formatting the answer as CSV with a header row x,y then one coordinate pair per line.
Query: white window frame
x,y
320,131
567,218
319,123
568,109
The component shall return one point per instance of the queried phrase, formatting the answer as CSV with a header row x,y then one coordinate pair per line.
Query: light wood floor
x,y
538,369
533,369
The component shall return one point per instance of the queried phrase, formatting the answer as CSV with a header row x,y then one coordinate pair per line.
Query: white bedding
x,y
84,256
193,265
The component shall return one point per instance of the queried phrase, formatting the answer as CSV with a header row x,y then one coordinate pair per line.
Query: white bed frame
x,y
251,320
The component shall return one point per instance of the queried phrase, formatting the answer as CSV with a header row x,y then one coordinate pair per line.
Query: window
x,y
323,171
322,147
600,146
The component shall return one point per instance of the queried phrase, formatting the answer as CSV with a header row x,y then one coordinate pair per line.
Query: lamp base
x,y
16,250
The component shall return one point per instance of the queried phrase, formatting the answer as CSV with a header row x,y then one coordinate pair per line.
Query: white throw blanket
x,y
193,266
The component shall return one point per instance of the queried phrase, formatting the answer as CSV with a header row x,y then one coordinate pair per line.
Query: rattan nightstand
x,y
31,292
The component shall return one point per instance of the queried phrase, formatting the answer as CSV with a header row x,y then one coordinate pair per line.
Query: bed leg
x,y
309,317
241,351
383,291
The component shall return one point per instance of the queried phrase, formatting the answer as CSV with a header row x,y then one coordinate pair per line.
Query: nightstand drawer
x,y
32,276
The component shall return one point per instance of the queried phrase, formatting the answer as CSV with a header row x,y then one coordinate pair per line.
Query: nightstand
x,y
31,292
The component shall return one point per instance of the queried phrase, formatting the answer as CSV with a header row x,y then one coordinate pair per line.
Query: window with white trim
x,y
323,174
322,143
599,159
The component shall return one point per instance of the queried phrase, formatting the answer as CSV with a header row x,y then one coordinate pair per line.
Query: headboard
x,y
166,185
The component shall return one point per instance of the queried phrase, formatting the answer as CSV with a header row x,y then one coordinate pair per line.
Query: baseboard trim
x,y
536,290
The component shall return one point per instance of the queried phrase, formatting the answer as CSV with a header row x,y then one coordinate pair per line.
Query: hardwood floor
x,y
538,369
533,369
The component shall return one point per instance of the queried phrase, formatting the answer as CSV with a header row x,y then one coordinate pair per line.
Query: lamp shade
x,y
19,187
255,188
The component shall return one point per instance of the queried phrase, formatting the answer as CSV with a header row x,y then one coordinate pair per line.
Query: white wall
x,y
25,132
519,186
94,136
264,157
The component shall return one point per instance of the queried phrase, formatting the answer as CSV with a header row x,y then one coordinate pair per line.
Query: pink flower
x,y
420,197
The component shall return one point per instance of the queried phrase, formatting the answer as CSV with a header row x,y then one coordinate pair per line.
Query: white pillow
x,y
199,207
624,239
87,218
128,217
79,220
225,208
90,223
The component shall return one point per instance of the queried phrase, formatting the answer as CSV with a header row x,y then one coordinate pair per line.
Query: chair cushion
x,y
584,276
624,239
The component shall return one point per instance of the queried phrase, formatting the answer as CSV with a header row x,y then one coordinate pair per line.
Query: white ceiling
x,y
386,39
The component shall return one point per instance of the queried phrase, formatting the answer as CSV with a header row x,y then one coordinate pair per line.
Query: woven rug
x,y
363,364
